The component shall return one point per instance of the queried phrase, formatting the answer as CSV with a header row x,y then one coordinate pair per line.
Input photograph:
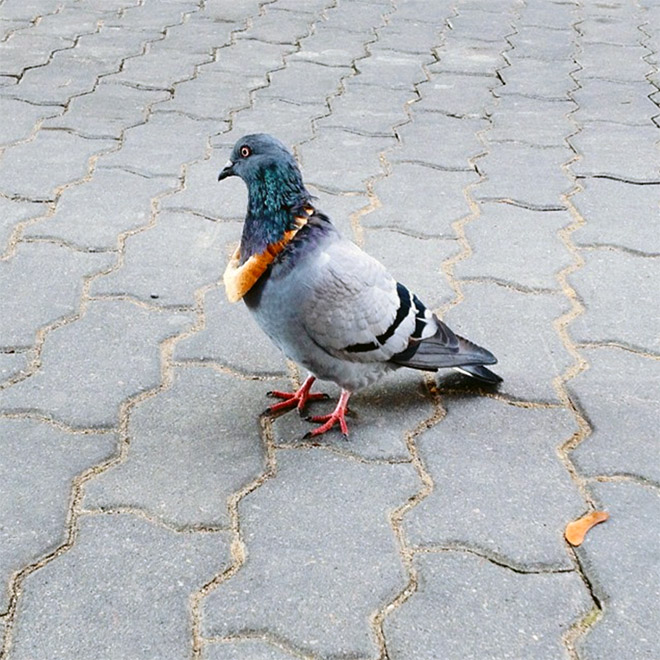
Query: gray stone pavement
x,y
502,158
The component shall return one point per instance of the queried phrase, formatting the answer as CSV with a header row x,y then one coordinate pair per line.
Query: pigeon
x,y
324,302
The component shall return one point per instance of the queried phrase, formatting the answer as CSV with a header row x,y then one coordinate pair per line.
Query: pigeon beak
x,y
227,170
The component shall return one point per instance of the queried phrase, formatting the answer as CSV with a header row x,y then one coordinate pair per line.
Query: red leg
x,y
297,399
336,416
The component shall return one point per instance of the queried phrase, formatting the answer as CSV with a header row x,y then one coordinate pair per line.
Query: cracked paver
x,y
502,158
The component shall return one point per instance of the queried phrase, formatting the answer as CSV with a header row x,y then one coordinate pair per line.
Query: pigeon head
x,y
276,192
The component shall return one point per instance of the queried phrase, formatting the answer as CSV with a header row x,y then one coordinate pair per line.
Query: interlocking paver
x,y
107,112
517,328
35,169
602,155
619,291
161,146
619,391
421,200
534,251
19,119
524,77
90,367
380,418
456,95
230,338
13,212
620,214
152,273
33,516
476,609
338,579
519,519
183,466
612,62
92,216
524,174
536,43
12,364
630,586
247,648
37,299
613,101
477,58
126,584
280,27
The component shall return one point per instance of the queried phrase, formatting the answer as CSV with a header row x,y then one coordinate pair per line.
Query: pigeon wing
x,y
355,310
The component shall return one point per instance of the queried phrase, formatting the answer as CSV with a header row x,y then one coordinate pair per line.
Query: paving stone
x,y
12,364
37,298
455,94
20,119
344,210
618,393
200,34
380,418
525,175
199,97
359,16
290,123
339,161
161,146
107,112
609,62
629,586
232,338
239,58
391,70
539,43
348,111
518,520
28,10
486,611
63,78
600,147
477,58
190,450
472,26
245,648
337,579
238,11
281,27
36,169
113,44
330,45
611,101
416,262
413,37
523,78
89,367
550,15
68,23
608,30
152,272
619,291
40,462
143,17
435,13
305,82
535,254
618,213
14,211
458,144
92,216
517,328
420,200
22,51
522,119
126,585
159,70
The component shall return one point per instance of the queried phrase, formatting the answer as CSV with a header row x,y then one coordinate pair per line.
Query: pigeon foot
x,y
337,416
297,399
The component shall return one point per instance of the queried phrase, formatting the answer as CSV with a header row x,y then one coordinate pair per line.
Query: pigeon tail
x,y
446,349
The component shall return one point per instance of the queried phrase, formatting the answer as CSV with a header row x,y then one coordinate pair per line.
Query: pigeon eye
x,y
245,151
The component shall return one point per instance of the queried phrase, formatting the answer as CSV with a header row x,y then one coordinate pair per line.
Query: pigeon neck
x,y
273,206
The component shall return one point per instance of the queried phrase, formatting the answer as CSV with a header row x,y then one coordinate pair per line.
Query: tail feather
x,y
446,350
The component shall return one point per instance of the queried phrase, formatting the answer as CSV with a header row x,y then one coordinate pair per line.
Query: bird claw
x,y
297,399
